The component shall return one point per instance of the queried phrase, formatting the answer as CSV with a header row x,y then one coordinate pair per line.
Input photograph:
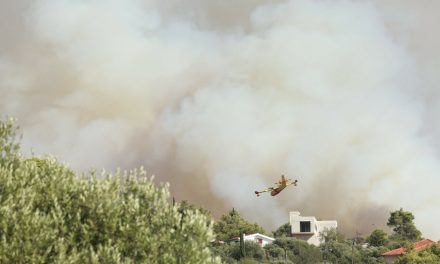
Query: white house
x,y
307,228
262,240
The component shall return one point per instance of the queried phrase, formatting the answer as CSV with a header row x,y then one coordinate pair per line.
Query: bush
x,y
232,225
298,251
427,256
48,214
252,249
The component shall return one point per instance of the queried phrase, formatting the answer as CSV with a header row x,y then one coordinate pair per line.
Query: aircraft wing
x,y
263,191
294,183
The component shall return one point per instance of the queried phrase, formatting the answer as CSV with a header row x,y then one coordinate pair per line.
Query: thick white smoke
x,y
221,99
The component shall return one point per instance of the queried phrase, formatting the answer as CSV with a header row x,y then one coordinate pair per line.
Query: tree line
x,y
335,248
50,214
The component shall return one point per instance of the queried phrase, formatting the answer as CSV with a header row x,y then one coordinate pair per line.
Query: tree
x,y
295,250
284,230
377,238
403,226
232,224
372,255
340,252
9,145
242,248
275,253
329,235
185,205
427,256
231,253
336,249
48,214
223,250
252,249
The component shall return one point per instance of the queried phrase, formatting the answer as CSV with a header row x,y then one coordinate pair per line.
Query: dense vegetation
x,y
48,214
232,224
335,248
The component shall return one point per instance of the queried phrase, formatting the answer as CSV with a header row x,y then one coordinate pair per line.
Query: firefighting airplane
x,y
283,183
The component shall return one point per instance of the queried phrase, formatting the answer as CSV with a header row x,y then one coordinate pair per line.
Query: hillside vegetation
x,y
50,215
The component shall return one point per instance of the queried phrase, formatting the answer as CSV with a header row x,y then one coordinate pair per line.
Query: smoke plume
x,y
222,97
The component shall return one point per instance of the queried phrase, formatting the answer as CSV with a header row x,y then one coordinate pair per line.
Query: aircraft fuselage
x,y
277,190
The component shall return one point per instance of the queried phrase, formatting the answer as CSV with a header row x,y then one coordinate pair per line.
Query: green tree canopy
x,y
185,205
403,225
331,234
377,238
372,255
252,249
427,256
9,145
232,224
284,230
48,214
298,251
336,249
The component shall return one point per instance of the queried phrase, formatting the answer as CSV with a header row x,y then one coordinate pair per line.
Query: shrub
x,y
49,214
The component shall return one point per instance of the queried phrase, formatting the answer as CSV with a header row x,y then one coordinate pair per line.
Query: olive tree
x,y
48,214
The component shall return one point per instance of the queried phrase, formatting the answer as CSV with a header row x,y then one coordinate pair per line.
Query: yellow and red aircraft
x,y
281,184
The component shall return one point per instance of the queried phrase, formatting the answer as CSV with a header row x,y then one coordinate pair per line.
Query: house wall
x,y
256,237
323,225
316,227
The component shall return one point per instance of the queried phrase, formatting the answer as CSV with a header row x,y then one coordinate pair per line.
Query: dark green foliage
x,y
397,242
275,252
427,256
252,249
242,247
372,255
248,261
329,235
436,249
223,250
340,252
231,252
232,224
403,226
50,215
378,238
284,230
297,251
185,206
336,249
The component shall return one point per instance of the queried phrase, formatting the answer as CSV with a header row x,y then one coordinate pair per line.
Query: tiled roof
x,y
422,244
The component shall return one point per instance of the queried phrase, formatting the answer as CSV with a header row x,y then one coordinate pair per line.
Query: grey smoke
x,y
220,98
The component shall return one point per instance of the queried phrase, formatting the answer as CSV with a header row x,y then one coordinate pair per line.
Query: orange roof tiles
x,y
422,244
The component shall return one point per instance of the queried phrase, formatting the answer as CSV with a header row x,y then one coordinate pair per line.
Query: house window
x,y
260,241
304,226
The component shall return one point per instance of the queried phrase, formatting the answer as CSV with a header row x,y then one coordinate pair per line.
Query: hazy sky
x,y
220,98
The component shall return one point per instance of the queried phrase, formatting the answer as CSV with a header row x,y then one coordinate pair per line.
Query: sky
x,y
219,98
